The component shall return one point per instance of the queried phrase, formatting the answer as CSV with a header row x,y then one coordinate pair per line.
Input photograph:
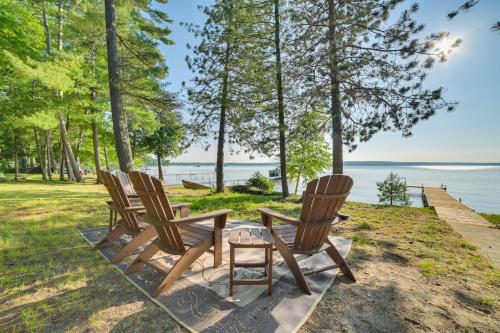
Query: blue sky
x,y
471,76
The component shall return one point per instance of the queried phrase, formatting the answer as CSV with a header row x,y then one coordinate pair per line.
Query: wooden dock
x,y
474,228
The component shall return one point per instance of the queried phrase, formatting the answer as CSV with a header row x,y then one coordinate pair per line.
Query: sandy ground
x,y
390,298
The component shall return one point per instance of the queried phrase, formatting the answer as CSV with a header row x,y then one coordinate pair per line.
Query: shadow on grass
x,y
361,308
65,309
465,298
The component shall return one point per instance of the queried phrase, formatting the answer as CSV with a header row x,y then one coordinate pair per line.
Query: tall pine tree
x,y
366,67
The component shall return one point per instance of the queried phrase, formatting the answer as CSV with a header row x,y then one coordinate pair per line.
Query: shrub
x,y
260,181
393,190
365,225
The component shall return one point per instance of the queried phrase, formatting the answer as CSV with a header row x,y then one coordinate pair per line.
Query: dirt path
x,y
474,228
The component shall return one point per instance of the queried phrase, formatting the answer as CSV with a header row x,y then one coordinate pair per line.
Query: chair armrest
x,y
201,217
177,205
272,214
342,217
134,209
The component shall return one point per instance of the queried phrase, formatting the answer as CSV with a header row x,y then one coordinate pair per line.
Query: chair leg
x,y
135,243
219,224
335,255
292,264
217,247
111,236
115,219
139,262
111,217
183,263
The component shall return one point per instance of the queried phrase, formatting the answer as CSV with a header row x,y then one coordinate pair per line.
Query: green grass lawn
x,y
493,218
51,280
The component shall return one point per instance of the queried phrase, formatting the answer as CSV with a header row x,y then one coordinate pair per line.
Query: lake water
x,y
477,185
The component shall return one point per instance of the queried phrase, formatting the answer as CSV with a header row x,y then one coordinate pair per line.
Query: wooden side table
x,y
251,238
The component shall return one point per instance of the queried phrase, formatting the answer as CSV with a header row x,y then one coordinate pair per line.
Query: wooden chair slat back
x,y
120,199
126,183
323,198
158,208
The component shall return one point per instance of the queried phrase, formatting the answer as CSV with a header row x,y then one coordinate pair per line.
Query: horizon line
x,y
348,162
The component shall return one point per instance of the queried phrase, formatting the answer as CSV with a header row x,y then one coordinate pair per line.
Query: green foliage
x,y
260,181
167,141
493,218
465,7
393,190
308,152
432,268
22,33
365,226
44,81
367,61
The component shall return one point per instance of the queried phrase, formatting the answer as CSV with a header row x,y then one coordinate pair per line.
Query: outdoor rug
x,y
200,300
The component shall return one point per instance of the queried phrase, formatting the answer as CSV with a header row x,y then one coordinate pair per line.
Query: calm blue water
x,y
477,185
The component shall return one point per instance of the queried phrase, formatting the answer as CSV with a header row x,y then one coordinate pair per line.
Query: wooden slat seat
x,y
308,234
184,236
192,234
286,233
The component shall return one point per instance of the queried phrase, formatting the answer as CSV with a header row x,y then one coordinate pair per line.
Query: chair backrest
x,y
158,210
323,198
120,200
126,183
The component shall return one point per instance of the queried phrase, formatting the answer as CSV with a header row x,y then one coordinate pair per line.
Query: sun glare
x,y
448,45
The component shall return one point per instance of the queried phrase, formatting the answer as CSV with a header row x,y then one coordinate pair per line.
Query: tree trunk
x,y
297,185
47,155
335,107
120,126
281,105
105,146
46,28
78,146
222,126
97,157
60,26
62,161
40,154
16,161
69,169
69,152
52,157
134,137
16,167
160,169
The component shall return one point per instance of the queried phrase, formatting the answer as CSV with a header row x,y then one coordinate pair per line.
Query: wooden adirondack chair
x,y
308,235
178,236
130,223
126,183
128,188
129,192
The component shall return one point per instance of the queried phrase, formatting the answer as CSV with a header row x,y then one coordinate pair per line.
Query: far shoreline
x,y
370,163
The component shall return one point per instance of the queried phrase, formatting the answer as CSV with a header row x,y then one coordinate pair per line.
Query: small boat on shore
x,y
275,173
194,186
